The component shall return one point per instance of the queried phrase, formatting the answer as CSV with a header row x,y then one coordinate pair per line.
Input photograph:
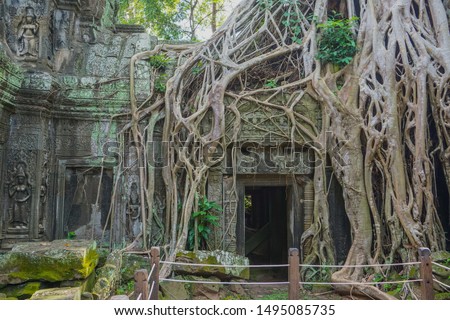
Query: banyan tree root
x,y
385,117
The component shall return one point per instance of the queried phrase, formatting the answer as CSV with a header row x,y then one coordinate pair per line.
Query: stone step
x,y
58,294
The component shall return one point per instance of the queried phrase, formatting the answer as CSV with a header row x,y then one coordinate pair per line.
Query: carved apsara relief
x,y
133,212
43,193
19,192
28,35
61,29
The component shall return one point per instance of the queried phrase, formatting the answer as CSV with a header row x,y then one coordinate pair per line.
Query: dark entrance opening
x,y
339,223
82,217
266,239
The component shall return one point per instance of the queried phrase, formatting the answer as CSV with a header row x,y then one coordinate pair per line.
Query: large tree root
x,y
380,116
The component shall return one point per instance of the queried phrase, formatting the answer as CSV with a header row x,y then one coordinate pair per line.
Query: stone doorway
x,y
265,224
270,217
83,202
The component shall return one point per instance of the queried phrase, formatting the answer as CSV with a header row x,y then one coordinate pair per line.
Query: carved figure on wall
x,y
20,193
43,200
27,34
61,24
133,210
43,192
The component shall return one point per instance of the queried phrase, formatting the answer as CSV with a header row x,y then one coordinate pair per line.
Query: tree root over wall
x,y
387,111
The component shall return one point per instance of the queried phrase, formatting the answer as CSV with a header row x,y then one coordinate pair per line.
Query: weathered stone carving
x,y
28,35
20,193
133,210
61,29
43,200
43,193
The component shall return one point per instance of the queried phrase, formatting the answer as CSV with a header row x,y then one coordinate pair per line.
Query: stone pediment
x,y
258,121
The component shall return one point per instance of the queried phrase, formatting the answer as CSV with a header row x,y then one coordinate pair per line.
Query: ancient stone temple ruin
x,y
63,74
64,79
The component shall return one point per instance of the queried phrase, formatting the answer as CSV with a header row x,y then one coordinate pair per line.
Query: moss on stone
x,y
175,290
102,256
86,285
219,260
442,258
21,291
53,262
131,263
108,276
442,296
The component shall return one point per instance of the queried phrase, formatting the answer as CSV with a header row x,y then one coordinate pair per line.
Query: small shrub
x,y
160,83
271,84
206,219
292,21
197,69
337,44
265,4
125,288
159,61
71,235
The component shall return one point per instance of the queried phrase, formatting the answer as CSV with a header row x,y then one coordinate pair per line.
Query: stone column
x,y
26,162
215,193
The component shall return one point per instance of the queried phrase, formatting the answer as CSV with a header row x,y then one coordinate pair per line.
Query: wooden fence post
x,y
141,284
426,272
293,274
154,278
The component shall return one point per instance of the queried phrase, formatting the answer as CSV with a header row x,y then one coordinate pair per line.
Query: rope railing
x,y
442,284
293,282
151,290
441,266
286,282
360,265
151,272
224,282
242,266
175,263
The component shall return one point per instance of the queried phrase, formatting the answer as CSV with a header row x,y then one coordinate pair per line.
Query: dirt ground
x,y
280,292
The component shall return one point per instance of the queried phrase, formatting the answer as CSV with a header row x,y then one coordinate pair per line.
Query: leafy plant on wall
x,y
337,44
202,221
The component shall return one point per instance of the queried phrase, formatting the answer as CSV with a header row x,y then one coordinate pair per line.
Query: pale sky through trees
x,y
203,33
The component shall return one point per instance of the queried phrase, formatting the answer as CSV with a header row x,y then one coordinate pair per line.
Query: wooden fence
x,y
147,284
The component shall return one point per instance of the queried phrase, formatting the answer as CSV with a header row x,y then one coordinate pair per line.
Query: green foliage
x,y
125,288
71,235
248,202
160,83
378,277
292,20
159,61
442,296
265,4
171,19
275,296
206,218
393,289
160,17
337,44
322,274
271,84
197,69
